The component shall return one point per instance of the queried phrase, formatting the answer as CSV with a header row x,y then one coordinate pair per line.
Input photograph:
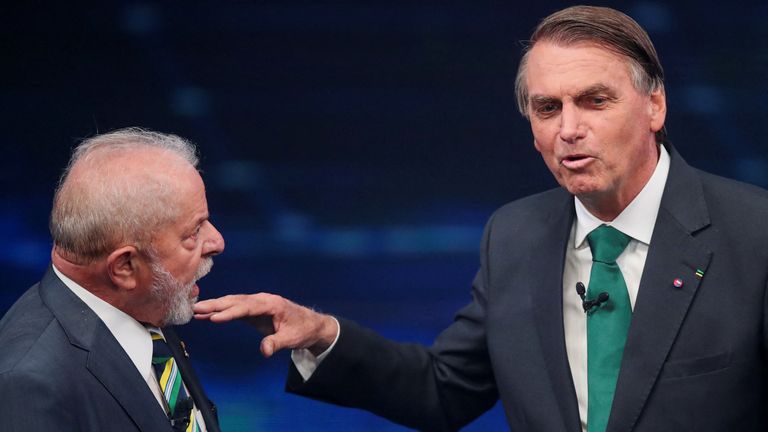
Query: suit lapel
x,y
111,366
547,295
661,307
107,360
190,379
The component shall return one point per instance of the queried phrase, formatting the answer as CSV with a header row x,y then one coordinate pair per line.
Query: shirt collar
x,y
639,218
130,334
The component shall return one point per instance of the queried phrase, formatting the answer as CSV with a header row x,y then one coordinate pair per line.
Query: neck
x,y
91,275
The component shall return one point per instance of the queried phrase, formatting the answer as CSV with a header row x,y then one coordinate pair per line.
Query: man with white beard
x,y
89,348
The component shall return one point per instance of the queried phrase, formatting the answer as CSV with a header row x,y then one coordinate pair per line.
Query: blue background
x,y
352,150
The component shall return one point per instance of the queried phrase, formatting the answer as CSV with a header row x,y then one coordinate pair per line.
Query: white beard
x,y
173,294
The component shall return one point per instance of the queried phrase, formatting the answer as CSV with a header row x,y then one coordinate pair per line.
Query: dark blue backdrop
x,y
352,151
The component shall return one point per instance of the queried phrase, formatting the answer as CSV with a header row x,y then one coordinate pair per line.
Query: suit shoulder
x,y
535,207
22,328
734,195
528,219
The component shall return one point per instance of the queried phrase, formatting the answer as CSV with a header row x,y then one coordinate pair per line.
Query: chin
x,y
581,187
180,314
580,191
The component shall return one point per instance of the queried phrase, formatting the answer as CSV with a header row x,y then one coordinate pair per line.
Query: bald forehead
x,y
130,162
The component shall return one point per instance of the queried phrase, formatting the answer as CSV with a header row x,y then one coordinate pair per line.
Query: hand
x,y
286,324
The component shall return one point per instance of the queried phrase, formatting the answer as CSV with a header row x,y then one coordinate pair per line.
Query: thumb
x,y
269,346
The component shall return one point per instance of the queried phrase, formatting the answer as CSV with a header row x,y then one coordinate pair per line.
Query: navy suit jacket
x,y
62,370
695,356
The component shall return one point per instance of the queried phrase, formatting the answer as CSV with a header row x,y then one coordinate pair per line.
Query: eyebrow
x,y
589,91
541,100
199,221
595,89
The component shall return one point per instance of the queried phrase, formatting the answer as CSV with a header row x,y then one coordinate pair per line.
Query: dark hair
x,y
607,28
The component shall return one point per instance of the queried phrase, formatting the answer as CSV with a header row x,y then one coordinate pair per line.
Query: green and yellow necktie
x,y
180,406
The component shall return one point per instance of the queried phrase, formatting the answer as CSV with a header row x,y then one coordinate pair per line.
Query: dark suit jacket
x,y
695,357
62,370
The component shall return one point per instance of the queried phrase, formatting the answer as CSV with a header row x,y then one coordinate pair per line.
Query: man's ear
x,y
657,109
124,267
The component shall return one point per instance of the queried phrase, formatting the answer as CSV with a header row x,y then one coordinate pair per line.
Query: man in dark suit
x,y
672,331
90,347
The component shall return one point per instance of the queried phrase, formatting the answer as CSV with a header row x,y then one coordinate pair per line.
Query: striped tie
x,y
180,405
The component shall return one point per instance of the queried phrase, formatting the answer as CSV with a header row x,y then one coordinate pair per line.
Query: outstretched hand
x,y
285,324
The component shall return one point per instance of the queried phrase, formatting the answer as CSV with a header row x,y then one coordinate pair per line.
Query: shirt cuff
x,y
306,362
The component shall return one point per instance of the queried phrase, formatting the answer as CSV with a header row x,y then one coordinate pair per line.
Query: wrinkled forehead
x,y
583,65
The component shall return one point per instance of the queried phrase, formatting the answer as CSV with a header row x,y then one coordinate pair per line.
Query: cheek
x,y
547,152
544,136
190,266
625,148
544,140
550,161
184,265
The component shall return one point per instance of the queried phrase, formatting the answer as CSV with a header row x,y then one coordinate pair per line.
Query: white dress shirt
x,y
636,221
306,362
132,336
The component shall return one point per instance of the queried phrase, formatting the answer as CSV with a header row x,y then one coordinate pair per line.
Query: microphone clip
x,y
183,414
590,306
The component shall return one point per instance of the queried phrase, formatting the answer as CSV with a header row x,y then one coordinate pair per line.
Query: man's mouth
x,y
576,161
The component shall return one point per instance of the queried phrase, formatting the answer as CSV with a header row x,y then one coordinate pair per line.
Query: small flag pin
x,y
699,273
678,283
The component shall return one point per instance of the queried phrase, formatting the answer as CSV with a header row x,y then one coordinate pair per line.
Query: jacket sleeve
x,y
443,387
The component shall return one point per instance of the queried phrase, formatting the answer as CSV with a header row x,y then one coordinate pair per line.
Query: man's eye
x,y
598,101
547,108
195,233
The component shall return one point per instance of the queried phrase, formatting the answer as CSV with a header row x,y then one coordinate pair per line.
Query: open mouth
x,y
576,161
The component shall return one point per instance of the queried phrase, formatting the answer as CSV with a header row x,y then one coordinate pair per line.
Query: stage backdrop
x,y
352,151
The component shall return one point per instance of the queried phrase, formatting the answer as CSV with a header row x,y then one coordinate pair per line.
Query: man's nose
x,y
571,126
213,242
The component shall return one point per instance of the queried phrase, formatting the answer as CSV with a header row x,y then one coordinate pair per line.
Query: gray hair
x,y
100,209
604,27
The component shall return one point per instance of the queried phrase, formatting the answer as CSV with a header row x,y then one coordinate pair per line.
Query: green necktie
x,y
607,324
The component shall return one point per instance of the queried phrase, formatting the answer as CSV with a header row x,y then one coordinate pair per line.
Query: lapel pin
x,y
184,348
699,273
678,283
